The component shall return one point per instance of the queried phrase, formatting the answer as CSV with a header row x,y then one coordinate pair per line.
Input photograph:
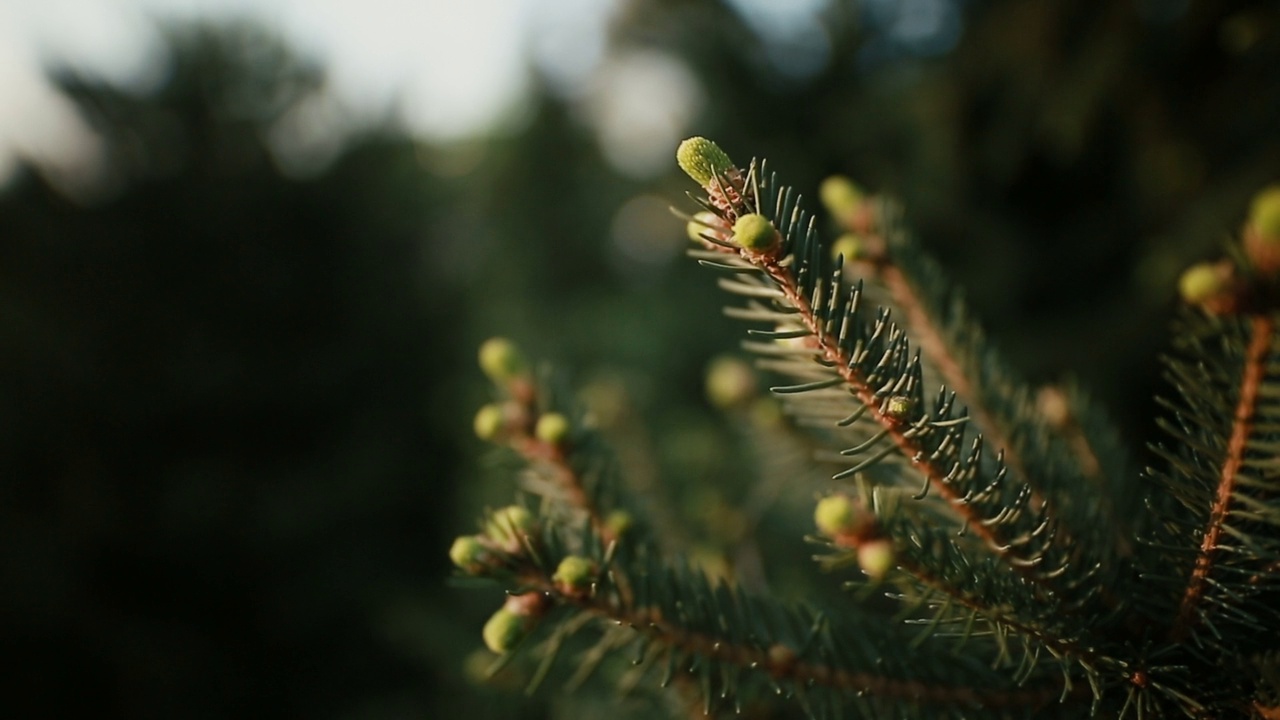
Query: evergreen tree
x,y
1002,552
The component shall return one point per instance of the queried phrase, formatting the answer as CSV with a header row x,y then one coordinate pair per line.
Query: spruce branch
x,y
990,523
733,644
1041,441
870,359
556,451
1261,345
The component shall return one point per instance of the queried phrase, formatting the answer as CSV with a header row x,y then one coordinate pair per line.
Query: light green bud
x,y
504,631
899,407
876,558
702,159
730,382
501,360
847,245
489,422
574,573
552,428
835,515
1201,282
507,525
1264,213
755,232
468,553
840,197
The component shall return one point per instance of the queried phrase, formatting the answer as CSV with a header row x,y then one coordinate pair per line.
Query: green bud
x,y
1201,282
876,558
1264,213
847,245
574,574
899,407
702,222
552,428
501,360
504,631
702,159
755,232
840,197
509,524
782,657
468,553
619,522
730,382
489,422
835,515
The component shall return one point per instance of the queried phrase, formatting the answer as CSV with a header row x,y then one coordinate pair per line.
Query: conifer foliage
x,y
1004,554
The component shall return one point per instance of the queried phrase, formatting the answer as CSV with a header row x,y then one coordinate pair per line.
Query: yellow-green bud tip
x,y
834,515
574,572
468,553
899,407
702,159
552,428
1264,213
848,246
619,522
840,196
501,360
876,558
1201,282
730,382
509,523
702,222
504,631
755,232
489,421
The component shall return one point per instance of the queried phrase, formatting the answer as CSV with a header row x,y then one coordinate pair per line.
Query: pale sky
x,y
451,68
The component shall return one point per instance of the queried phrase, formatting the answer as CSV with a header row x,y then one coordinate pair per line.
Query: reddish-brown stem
x,y
555,461
784,665
1263,331
1266,713
934,347
1061,646
830,351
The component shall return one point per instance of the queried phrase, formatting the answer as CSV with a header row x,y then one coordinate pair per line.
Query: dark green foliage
x,y
1042,603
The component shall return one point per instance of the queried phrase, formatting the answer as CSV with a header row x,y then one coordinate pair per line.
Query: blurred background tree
x,y
238,389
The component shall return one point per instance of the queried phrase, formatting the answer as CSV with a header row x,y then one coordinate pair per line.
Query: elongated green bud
x,y
1201,282
876,558
849,246
574,574
835,515
702,159
840,197
730,382
509,526
489,422
1264,213
468,553
619,522
501,360
504,631
552,428
755,232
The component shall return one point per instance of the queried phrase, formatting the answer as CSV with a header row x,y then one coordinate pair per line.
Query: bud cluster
x,y
850,525
1222,287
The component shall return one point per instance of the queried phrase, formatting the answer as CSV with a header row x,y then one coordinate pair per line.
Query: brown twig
x,y
783,664
1263,335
